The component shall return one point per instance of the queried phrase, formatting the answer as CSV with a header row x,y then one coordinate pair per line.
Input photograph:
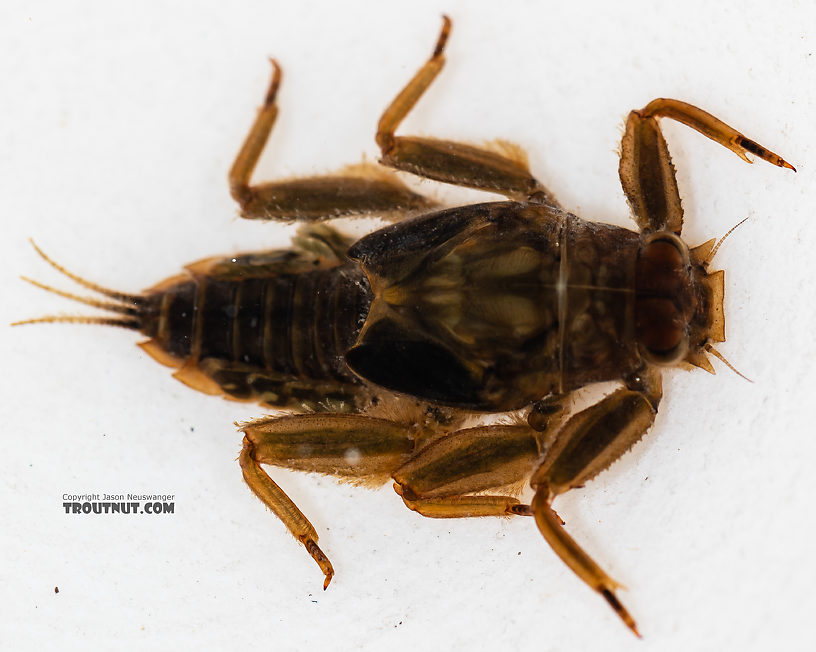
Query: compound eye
x,y
664,298
662,266
661,331
662,238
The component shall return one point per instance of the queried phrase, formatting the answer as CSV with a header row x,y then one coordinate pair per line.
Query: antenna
x,y
717,246
721,357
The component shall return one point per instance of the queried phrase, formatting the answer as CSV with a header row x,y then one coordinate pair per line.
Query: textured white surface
x,y
118,126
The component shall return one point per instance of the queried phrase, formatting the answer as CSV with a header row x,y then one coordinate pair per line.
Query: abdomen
x,y
275,335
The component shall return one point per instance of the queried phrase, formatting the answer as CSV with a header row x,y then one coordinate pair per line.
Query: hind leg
x,y
436,479
359,190
344,445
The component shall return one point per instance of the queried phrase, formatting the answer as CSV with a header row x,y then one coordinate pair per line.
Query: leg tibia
x,y
250,151
465,506
551,527
712,127
408,96
275,499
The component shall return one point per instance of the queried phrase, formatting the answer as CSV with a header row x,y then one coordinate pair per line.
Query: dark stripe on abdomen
x,y
247,343
305,324
216,313
175,319
297,325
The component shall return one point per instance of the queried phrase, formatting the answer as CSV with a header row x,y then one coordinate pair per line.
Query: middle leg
x,y
504,171
446,478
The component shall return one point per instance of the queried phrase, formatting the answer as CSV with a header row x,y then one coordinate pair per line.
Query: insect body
x,y
387,347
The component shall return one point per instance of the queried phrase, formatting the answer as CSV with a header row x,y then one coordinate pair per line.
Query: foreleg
x,y
586,445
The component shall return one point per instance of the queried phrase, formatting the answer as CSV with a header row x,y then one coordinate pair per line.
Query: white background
x,y
117,126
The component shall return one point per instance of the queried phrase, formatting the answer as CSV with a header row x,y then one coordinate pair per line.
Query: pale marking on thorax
x,y
561,294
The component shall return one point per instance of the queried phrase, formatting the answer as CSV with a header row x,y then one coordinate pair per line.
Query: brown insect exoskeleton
x,y
388,350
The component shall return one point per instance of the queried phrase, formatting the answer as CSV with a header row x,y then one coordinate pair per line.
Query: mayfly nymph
x,y
386,351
